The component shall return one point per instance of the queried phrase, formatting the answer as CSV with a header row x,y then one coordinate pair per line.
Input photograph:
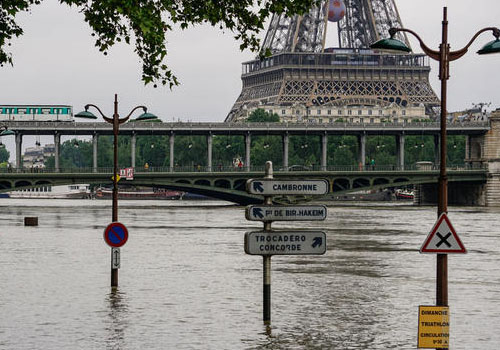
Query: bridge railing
x,y
220,168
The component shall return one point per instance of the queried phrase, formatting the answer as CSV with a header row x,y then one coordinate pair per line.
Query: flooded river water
x,y
186,283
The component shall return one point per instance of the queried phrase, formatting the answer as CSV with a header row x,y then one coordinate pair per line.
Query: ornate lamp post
x,y
444,55
116,121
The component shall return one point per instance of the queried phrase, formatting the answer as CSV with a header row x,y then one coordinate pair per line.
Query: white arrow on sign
x,y
285,243
443,238
286,213
115,258
297,187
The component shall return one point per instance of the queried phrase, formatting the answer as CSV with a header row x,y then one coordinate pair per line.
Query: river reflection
x,y
185,282
117,319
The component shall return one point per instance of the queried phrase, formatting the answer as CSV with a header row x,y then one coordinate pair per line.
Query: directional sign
x,y
433,327
286,213
275,187
115,234
443,238
285,243
115,258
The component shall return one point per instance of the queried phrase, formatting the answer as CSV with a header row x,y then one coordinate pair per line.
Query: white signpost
x,y
268,242
272,187
285,243
286,213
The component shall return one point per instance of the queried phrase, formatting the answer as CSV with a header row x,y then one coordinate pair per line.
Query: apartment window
x,y
361,120
331,120
283,111
319,111
308,112
329,112
320,120
349,112
340,112
369,112
403,112
351,120
380,112
372,120
360,112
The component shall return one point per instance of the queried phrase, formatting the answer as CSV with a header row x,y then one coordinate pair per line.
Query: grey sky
x,y
55,62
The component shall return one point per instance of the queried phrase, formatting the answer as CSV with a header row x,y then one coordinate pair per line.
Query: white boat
x,y
48,191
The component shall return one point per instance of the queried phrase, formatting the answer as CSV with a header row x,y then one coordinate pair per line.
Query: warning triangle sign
x,y
443,238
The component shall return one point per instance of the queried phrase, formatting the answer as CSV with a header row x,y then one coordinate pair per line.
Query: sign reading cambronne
x,y
285,243
285,213
269,187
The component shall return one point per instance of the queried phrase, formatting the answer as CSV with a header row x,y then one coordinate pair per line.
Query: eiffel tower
x,y
302,79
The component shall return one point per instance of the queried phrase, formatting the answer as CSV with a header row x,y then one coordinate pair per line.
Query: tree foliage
x,y
261,116
145,24
4,154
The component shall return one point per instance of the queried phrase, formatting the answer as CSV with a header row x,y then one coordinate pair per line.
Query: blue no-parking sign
x,y
115,234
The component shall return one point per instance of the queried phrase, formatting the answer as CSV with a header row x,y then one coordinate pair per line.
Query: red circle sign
x,y
116,234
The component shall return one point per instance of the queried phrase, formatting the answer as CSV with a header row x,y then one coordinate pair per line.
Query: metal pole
x,y
442,259
267,258
116,123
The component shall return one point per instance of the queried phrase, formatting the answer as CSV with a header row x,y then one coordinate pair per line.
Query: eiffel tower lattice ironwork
x,y
302,73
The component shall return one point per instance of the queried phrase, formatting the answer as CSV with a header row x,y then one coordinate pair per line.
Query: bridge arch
x,y
5,185
23,183
380,181
222,183
361,182
341,184
240,184
202,182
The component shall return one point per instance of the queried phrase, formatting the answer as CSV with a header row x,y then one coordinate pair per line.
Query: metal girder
x,y
365,22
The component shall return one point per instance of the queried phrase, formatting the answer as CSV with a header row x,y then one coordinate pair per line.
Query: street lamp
x,y
444,55
116,121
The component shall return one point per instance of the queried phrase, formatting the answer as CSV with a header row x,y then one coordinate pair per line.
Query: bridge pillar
x,y
133,142
437,152
19,143
95,136
171,141
248,143
467,149
400,149
57,151
324,150
209,151
362,149
286,140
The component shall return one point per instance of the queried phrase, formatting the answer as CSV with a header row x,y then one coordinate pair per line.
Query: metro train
x,y
62,113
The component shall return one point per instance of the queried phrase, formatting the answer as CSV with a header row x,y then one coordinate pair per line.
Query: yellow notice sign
x,y
433,327
117,178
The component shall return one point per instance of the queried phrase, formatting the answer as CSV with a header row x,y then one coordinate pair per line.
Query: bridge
x,y
472,131
229,184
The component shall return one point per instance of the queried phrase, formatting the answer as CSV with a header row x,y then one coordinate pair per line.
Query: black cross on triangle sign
x,y
443,238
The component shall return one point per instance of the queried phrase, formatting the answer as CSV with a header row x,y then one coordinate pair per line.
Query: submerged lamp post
x,y
444,55
116,121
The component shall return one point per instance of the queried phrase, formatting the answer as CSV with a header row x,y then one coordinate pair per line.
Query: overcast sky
x,y
55,62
